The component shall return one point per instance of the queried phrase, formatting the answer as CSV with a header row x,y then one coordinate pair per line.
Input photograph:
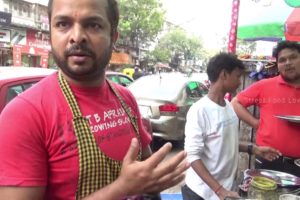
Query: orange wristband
x,y
218,189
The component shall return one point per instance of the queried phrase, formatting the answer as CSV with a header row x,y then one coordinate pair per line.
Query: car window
x,y
28,85
196,89
165,88
15,90
11,93
192,85
125,81
113,78
119,79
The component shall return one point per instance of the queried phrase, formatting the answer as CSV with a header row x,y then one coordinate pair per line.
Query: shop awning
x,y
120,58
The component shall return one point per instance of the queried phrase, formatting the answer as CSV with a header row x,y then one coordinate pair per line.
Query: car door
x,y
10,89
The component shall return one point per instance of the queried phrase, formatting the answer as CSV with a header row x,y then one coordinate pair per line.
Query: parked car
x,y
14,80
165,98
125,81
202,77
119,78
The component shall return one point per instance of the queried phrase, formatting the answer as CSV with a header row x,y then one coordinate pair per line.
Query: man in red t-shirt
x,y
75,135
276,96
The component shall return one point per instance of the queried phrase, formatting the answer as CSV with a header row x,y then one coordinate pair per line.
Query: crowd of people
x,y
51,148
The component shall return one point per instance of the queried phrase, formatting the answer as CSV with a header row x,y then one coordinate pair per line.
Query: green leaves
x,y
140,21
177,42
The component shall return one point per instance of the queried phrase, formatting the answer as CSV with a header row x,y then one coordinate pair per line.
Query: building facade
x,y
24,34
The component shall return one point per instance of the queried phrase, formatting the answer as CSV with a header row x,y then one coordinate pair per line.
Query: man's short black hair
x,y
285,45
112,13
222,61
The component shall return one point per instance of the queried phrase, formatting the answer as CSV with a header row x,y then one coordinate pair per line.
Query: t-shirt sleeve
x,y
22,154
194,134
250,96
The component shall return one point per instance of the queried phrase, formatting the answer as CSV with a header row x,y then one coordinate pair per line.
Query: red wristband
x,y
218,189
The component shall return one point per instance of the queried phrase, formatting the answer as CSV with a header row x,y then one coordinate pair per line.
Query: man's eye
x,y
61,24
293,57
94,26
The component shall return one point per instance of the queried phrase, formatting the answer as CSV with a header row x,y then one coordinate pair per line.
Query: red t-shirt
x,y
275,97
38,143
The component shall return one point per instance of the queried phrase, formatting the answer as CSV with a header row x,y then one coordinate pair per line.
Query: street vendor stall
x,y
263,184
272,21
268,20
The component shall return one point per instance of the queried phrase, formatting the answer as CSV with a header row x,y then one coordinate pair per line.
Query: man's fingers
x,y
174,175
168,180
166,176
171,164
159,155
271,150
132,152
231,194
161,186
275,151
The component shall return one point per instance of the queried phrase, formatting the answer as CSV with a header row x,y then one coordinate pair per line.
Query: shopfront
x,y
21,47
30,56
119,60
35,52
5,47
5,50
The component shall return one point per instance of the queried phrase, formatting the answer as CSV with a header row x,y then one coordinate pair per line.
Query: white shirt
x,y
211,134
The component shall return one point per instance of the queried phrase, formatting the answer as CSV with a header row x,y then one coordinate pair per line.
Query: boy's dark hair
x,y
112,13
222,61
285,45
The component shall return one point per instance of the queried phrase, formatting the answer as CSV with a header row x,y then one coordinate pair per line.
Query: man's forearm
x,y
244,114
246,147
205,175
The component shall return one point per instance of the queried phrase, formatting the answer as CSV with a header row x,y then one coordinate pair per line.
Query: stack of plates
x,y
289,197
281,178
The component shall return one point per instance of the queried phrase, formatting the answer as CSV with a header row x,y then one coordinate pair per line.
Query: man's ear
x,y
222,75
114,37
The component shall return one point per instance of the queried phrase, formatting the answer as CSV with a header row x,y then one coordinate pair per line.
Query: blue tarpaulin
x,y
171,196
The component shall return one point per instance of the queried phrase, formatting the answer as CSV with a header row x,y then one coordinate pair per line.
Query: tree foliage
x,y
176,44
140,21
243,47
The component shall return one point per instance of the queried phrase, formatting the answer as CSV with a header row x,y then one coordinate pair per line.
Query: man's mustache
x,y
79,50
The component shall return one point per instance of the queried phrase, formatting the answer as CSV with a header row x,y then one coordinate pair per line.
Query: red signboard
x,y
233,29
18,50
38,39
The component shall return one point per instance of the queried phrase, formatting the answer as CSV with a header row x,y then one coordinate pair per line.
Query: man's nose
x,y
288,61
78,34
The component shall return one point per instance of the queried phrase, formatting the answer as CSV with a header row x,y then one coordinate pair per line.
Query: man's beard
x,y
94,72
293,79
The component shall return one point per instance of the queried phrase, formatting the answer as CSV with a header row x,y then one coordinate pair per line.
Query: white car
x,y
166,98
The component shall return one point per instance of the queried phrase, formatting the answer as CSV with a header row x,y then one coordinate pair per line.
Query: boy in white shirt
x,y
211,135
